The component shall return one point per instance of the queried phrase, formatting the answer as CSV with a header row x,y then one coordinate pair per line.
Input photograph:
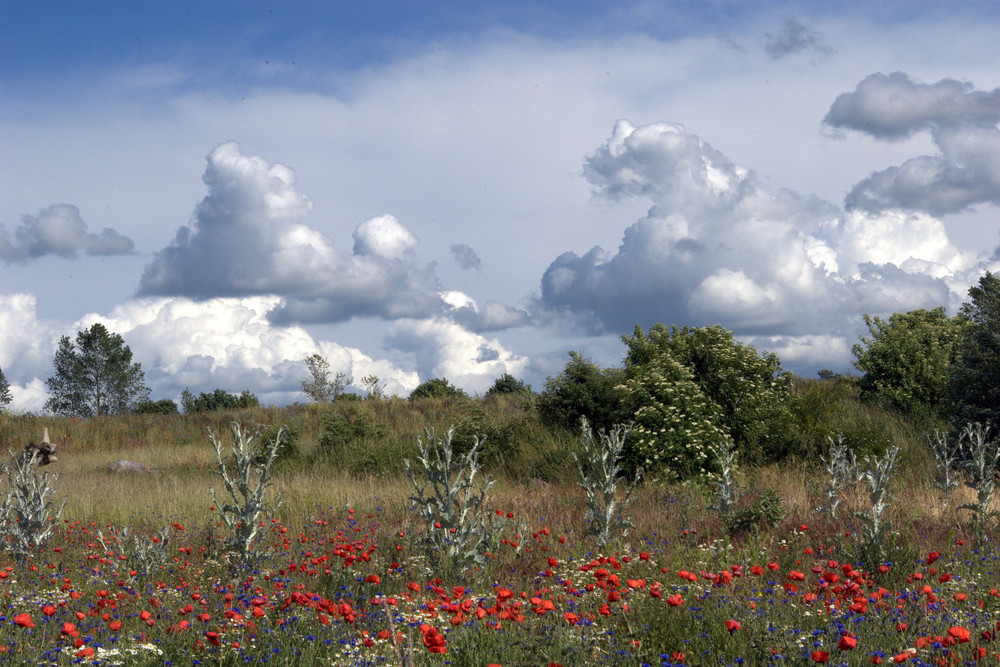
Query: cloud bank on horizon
x,y
260,277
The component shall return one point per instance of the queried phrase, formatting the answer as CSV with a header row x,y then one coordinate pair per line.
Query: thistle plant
x,y
246,484
725,490
143,554
946,457
878,474
842,471
981,464
26,513
458,526
599,472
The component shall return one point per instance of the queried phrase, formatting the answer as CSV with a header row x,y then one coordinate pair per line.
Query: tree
x,y
95,376
583,389
374,386
750,388
5,397
973,390
508,384
436,388
906,360
322,386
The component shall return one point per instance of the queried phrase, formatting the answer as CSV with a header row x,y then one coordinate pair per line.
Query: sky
x,y
463,190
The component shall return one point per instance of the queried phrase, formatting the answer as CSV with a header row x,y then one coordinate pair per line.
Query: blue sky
x,y
467,189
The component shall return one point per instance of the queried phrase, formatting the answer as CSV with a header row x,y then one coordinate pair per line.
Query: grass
x,y
340,577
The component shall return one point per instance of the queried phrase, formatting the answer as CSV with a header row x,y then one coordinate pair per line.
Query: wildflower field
x,y
839,561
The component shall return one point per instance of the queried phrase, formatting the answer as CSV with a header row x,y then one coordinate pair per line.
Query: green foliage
x,y
5,397
323,385
219,399
95,376
583,390
161,407
745,394
756,513
905,361
354,439
508,384
435,388
288,444
675,427
974,381
348,424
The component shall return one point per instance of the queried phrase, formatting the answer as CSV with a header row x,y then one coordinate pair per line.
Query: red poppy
x,y
847,643
24,620
819,656
732,626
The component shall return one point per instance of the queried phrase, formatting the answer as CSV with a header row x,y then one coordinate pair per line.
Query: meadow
x,y
770,564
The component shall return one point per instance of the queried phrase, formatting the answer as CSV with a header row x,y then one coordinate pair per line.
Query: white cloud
x,y
383,237
27,343
229,343
59,230
442,348
962,122
718,247
247,239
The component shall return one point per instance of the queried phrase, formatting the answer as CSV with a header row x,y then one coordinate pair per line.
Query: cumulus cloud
x,y
442,348
466,257
248,238
794,37
229,343
59,230
27,343
492,316
718,247
962,122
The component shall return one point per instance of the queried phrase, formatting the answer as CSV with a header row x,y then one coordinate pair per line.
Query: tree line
x,y
686,391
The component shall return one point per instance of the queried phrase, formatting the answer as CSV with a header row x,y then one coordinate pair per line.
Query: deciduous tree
x,y
323,385
906,359
5,397
973,390
583,389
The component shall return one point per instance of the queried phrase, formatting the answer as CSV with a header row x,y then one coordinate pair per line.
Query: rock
x,y
125,466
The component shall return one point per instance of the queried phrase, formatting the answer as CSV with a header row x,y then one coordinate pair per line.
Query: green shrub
x,y
508,384
675,427
747,391
756,512
435,388
288,447
583,390
219,399
162,407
